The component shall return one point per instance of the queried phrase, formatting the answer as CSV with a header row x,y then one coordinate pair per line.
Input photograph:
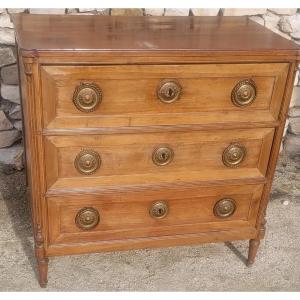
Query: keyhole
x,y
160,211
170,92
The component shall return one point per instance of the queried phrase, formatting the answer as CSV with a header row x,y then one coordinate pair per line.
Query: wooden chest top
x,y
210,35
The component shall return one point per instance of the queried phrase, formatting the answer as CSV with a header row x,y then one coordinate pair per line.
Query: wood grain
x,y
56,33
206,90
153,242
130,156
126,215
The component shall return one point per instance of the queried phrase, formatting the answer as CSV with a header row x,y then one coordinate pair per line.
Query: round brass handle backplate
x,y
169,91
234,154
224,208
159,210
87,161
162,156
87,96
244,93
87,218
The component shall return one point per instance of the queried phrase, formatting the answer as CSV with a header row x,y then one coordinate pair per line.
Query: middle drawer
x,y
89,161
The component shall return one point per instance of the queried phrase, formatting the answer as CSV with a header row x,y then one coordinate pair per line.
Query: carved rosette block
x,y
28,68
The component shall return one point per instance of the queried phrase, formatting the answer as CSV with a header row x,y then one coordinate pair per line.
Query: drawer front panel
x,y
113,96
116,159
129,215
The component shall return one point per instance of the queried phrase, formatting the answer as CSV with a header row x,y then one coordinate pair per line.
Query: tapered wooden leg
x,y
254,243
43,271
253,247
42,260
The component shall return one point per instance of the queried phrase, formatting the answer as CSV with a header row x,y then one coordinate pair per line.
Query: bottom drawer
x,y
151,213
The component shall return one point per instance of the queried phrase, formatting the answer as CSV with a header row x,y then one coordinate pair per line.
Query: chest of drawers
x,y
150,131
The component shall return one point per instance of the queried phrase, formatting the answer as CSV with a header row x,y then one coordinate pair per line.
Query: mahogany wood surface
x,y
128,57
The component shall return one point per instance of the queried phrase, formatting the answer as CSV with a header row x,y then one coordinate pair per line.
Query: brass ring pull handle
x,y
224,208
159,210
87,218
244,93
169,91
87,96
87,161
162,156
234,154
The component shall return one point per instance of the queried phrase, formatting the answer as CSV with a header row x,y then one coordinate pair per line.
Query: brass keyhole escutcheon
x,y
169,91
234,155
87,218
87,96
159,210
244,93
162,156
87,161
224,208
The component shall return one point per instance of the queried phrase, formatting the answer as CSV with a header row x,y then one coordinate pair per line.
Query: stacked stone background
x,y
285,22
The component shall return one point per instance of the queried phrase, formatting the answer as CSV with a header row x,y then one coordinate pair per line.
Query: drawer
x,y
95,161
150,213
141,95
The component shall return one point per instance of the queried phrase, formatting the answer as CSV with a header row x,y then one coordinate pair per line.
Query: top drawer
x,y
143,95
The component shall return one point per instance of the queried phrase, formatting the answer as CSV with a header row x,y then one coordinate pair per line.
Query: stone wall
x,y
285,22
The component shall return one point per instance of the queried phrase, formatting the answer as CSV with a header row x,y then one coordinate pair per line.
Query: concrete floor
x,y
209,267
